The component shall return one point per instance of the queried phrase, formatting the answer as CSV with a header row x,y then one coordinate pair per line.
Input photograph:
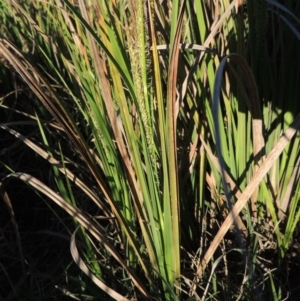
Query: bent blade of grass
x,y
78,260
82,219
253,104
283,8
38,150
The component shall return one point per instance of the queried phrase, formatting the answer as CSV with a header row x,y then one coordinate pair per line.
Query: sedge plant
x,y
176,136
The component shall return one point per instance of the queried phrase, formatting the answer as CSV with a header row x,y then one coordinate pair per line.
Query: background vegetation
x,y
149,150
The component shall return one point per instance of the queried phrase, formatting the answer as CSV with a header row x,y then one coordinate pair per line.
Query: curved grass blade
x,y
78,260
253,103
82,218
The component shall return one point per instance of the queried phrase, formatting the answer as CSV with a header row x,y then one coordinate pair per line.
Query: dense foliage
x,y
166,133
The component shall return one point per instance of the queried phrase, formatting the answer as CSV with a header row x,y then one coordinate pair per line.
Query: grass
x,y
166,133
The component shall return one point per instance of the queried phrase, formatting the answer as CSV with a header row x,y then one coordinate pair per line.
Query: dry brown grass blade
x,y
284,203
172,112
84,268
39,151
245,196
173,67
38,85
9,206
82,219
188,46
233,186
